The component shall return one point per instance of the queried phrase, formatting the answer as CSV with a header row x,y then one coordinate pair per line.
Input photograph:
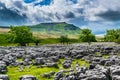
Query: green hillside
x,y
60,28
50,30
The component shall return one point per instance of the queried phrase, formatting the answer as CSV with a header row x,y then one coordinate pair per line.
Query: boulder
x,y
4,77
54,58
55,65
67,63
116,77
3,67
39,61
58,75
46,75
27,77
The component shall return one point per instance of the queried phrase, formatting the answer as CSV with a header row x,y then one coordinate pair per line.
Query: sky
x,y
97,15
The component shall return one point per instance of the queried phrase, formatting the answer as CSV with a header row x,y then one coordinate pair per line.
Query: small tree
x,y
22,35
87,36
6,38
64,39
112,35
36,41
118,40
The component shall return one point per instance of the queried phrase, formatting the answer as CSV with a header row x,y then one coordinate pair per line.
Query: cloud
x,y
57,10
103,8
9,16
61,10
110,15
69,15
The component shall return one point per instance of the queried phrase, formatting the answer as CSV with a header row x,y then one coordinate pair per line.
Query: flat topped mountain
x,y
56,28
51,29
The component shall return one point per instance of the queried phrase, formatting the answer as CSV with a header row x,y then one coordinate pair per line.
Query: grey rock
x,y
4,77
27,77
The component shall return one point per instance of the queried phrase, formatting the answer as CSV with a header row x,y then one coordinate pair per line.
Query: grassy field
x,y
14,72
4,30
44,35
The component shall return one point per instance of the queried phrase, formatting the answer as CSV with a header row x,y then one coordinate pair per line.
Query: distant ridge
x,y
58,27
55,28
4,27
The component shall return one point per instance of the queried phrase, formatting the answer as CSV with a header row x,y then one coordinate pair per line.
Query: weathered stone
x,y
40,61
4,77
116,77
67,63
46,75
27,77
54,58
55,65
58,75
3,67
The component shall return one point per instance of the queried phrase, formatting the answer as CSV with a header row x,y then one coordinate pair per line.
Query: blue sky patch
x,y
74,1
29,1
44,2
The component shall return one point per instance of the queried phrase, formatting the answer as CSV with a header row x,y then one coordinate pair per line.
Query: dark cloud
x,y
2,5
19,5
110,15
10,17
57,16
69,15
78,21
80,10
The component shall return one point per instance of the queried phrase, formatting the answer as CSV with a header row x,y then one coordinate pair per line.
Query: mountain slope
x,y
60,28
51,30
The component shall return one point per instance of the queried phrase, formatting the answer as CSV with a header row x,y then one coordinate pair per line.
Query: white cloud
x,y
58,9
37,1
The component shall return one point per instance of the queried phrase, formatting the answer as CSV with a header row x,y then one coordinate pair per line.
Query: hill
x,y
51,30
56,29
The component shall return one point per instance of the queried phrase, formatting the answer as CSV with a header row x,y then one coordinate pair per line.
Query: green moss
x,y
105,56
117,54
80,62
98,54
19,60
14,72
